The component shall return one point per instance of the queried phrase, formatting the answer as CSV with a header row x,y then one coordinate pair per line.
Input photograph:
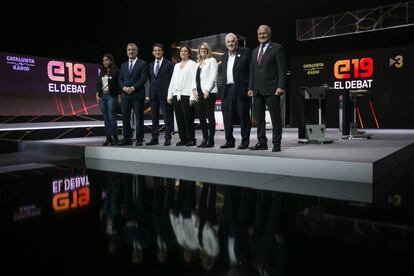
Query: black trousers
x,y
137,105
167,110
205,110
231,105
185,118
273,103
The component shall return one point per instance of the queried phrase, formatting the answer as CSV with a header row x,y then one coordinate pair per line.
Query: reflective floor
x,y
66,219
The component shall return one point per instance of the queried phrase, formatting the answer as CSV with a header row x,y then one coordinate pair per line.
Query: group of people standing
x,y
189,85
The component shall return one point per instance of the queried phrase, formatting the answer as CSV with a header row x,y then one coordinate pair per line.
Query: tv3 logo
x,y
397,62
66,71
354,68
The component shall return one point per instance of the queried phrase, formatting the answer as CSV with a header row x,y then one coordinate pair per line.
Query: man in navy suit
x,y
235,76
267,82
159,76
132,78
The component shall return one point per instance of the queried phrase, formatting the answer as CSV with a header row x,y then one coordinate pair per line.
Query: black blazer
x,y
271,74
113,84
136,78
159,84
241,70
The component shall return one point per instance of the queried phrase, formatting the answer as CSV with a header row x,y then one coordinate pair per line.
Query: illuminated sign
x,y
354,73
70,193
20,63
70,73
313,68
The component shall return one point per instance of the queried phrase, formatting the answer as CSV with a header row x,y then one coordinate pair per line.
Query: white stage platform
x,y
358,170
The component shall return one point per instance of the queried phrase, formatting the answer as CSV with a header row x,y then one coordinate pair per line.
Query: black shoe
x,y
152,142
191,143
115,141
210,144
125,142
139,143
276,148
203,144
243,146
167,142
181,143
259,146
227,145
107,141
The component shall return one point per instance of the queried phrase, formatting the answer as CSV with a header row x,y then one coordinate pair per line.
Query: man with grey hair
x,y
235,76
267,83
132,78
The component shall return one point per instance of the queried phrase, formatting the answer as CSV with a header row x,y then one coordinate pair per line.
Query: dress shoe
x,y
227,145
181,143
191,143
243,146
139,143
167,142
276,148
210,144
115,141
259,146
203,144
107,141
125,142
152,142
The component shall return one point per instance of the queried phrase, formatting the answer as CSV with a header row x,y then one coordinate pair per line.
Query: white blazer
x,y
183,80
208,75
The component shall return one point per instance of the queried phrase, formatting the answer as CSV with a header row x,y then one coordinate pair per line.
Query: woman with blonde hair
x,y
205,93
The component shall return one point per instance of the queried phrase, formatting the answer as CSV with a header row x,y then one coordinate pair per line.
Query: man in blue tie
x,y
267,83
132,78
159,75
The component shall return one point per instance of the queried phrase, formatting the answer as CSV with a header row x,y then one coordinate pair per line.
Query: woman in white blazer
x,y
205,93
180,96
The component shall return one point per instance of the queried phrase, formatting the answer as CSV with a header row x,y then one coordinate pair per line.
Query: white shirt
x,y
264,49
105,87
155,63
183,80
230,65
133,62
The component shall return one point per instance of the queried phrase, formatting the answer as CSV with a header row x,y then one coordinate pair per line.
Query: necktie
x,y
157,68
260,56
130,66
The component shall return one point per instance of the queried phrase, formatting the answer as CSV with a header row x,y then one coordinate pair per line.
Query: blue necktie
x,y
130,66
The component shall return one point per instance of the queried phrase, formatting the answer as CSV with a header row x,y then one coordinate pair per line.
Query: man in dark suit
x,y
267,82
159,75
235,76
132,78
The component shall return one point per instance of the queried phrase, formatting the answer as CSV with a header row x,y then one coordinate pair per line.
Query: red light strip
x,y
61,106
71,106
373,113
57,105
359,117
83,104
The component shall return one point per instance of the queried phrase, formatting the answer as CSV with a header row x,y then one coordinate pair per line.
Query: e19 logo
x,y
66,71
64,201
355,68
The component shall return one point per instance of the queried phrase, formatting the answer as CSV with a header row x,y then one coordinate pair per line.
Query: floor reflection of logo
x,y
396,62
20,63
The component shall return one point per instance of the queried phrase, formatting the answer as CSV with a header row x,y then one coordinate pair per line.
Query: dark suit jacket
x,y
113,84
241,71
136,78
159,84
271,74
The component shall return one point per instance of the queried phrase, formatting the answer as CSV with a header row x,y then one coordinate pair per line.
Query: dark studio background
x,y
83,31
